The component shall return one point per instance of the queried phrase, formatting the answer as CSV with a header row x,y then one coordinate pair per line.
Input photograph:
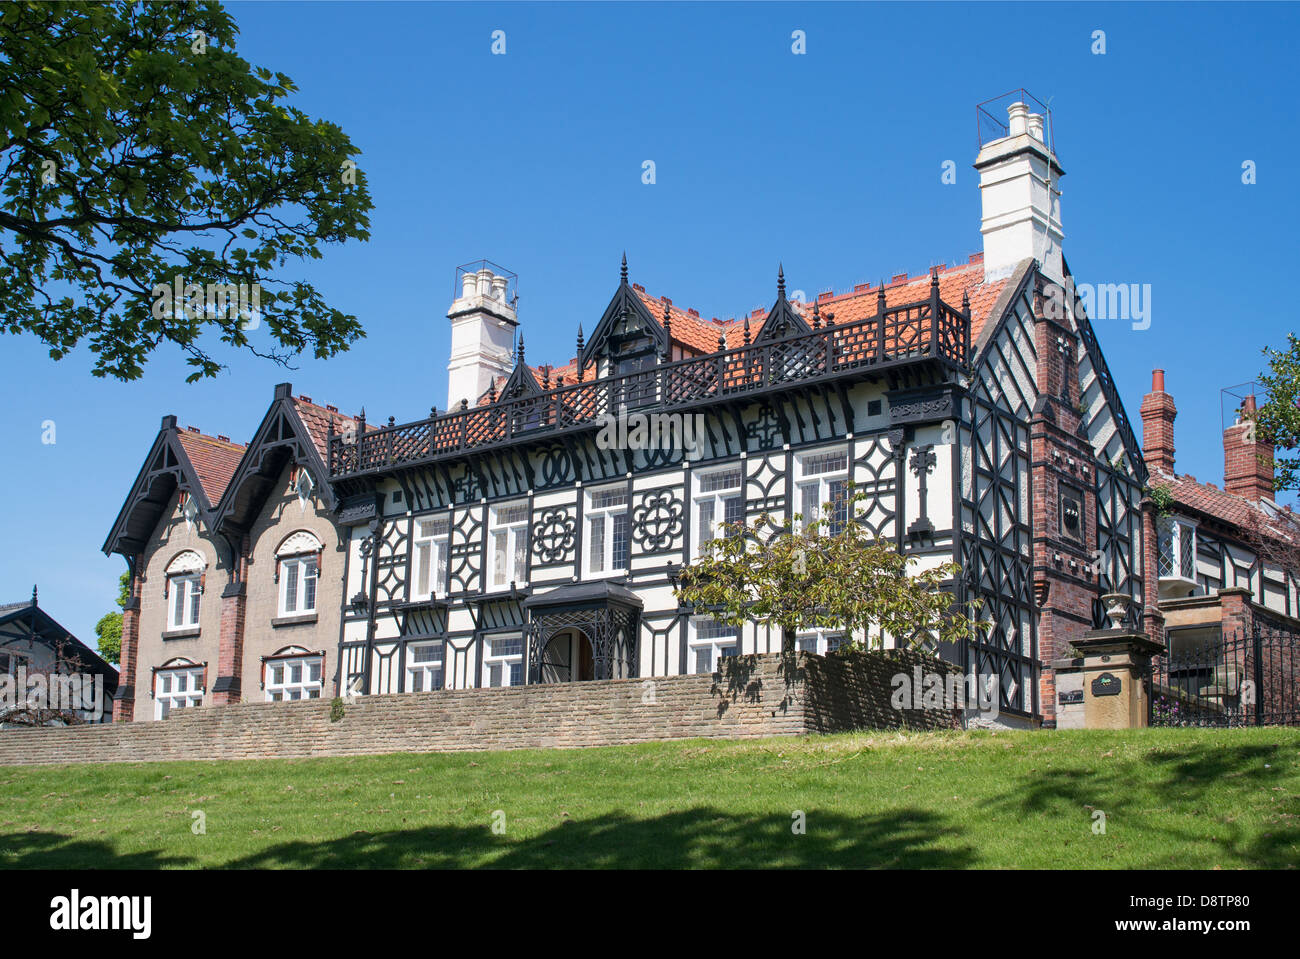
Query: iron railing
x,y
925,330
1248,679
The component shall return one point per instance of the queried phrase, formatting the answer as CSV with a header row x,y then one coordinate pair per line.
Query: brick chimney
x,y
1158,412
1243,471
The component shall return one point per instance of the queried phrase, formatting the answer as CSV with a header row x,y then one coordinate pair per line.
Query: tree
x,y
826,572
1278,420
153,186
108,631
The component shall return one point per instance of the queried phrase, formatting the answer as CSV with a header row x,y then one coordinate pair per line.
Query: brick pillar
x,y
124,700
1234,611
1153,621
1062,473
230,652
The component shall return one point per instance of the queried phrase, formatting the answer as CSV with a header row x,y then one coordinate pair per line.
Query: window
x,y
819,641
298,576
293,677
607,530
503,661
186,591
823,478
303,487
423,667
717,500
508,544
430,557
1176,549
177,687
710,641
11,661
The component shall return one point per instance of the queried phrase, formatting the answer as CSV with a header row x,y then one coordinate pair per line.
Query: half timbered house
x,y
507,540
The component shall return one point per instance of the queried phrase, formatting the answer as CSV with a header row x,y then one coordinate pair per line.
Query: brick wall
x,y
754,696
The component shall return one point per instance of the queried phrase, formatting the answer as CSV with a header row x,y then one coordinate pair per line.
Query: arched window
x,y
293,673
297,570
183,589
178,684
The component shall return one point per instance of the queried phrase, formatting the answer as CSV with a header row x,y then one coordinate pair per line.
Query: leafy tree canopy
x,y
108,630
1278,420
823,572
140,154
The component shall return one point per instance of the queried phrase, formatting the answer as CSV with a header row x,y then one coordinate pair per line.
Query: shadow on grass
x,y
1146,787
48,850
696,838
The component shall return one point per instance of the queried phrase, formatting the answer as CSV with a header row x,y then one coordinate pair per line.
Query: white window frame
x,y
423,676
716,500
1180,529
704,633
184,595
304,567
810,476
279,689
514,563
819,640
602,522
177,687
429,555
502,664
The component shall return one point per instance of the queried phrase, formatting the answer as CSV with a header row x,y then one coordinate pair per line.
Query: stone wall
x,y
752,696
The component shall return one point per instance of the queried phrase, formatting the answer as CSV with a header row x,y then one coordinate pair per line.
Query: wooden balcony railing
x,y
909,333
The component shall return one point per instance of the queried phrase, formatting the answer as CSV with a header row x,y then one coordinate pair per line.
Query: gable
x,y
169,468
282,439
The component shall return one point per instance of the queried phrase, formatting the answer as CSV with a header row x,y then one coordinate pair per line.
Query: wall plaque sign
x,y
1107,684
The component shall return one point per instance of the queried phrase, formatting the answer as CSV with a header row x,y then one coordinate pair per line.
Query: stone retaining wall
x,y
752,696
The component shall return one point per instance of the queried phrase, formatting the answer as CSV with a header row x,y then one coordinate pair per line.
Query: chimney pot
x,y
1157,381
468,284
1017,119
1036,126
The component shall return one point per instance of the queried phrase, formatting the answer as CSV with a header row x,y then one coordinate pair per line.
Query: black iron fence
x,y
1249,679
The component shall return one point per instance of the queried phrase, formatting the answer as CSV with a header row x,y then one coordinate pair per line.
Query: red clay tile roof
x,y
1228,508
953,281
214,460
317,421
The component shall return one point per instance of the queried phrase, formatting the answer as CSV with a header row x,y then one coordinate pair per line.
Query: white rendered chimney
x,y
1020,192
482,336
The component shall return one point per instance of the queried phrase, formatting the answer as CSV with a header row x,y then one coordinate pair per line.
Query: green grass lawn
x,y
1171,798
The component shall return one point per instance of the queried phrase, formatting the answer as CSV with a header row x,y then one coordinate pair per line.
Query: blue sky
x,y
829,162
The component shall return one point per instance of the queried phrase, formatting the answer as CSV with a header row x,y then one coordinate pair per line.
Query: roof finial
x,y
33,594
546,376
747,331
668,331
580,344
492,391
722,342
519,350
817,315
623,270
965,300
780,280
